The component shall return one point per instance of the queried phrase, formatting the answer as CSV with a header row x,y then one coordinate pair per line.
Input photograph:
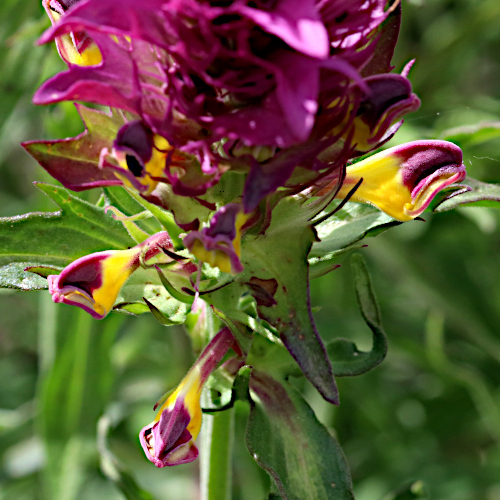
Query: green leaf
x,y
239,390
472,135
166,219
111,466
346,359
145,283
339,234
120,198
349,225
14,276
58,238
272,358
285,438
480,195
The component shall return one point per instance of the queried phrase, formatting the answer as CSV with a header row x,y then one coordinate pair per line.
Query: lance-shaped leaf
x,y
74,162
287,441
347,360
380,62
58,238
481,194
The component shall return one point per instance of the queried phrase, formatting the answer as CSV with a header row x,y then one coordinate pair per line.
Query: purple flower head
x,y
169,439
402,181
94,281
247,70
220,243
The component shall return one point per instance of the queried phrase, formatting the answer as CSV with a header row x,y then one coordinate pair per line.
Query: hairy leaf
x,y
58,238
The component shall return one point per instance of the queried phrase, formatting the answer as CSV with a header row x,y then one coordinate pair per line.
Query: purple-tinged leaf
x,y
74,162
384,50
287,441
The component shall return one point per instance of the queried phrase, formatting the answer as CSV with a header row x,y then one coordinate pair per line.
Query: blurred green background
x,y
75,392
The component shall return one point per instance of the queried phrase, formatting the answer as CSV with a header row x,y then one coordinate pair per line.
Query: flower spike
x,y
94,281
402,181
169,439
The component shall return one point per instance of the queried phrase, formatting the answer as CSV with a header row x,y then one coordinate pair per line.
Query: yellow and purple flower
x,y
220,244
94,281
402,181
169,439
75,48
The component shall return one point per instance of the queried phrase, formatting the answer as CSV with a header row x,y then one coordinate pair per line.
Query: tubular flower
x,y
220,244
169,439
403,180
138,157
94,281
75,48
378,116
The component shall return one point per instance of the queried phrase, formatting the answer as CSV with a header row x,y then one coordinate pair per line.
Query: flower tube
x,y
94,281
169,439
402,181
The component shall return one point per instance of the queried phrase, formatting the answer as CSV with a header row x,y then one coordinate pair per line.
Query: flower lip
x,y
135,139
169,435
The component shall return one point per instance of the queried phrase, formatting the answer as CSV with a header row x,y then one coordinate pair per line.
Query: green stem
x,y
79,372
47,327
216,452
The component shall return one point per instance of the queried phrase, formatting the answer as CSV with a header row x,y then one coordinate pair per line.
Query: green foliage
x,y
287,441
58,238
346,358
